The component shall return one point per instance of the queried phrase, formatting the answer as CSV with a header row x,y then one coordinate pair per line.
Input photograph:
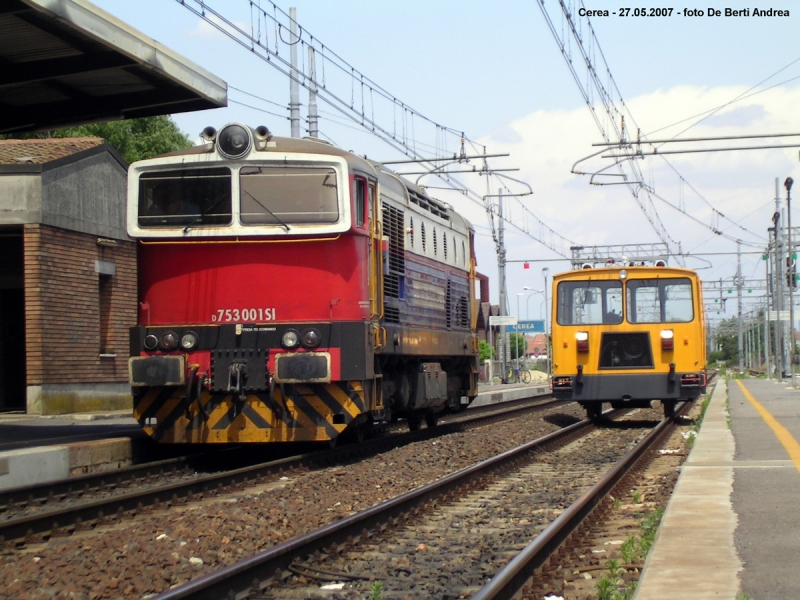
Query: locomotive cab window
x,y
660,300
193,197
288,195
358,199
589,303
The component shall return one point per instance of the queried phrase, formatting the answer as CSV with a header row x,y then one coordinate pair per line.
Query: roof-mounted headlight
x,y
234,141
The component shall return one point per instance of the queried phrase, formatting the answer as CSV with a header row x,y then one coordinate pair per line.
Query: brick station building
x,y
67,277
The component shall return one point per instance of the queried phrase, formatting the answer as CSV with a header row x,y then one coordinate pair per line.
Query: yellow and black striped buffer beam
x,y
296,413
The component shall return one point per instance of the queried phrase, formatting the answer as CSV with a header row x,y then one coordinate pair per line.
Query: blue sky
x,y
494,71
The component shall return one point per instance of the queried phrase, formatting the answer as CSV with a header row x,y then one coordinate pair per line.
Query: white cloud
x,y
738,184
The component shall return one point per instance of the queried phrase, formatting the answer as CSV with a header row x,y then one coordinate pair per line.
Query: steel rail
x,y
510,579
254,574
64,520
80,484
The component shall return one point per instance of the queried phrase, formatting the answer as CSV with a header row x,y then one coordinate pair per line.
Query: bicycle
x,y
516,375
512,376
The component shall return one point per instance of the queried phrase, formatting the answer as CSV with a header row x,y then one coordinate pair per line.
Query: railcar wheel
x,y
594,410
431,419
414,422
669,408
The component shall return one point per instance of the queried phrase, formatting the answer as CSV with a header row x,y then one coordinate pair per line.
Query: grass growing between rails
x,y
613,586
376,592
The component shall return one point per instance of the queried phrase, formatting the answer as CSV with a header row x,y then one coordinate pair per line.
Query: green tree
x,y
134,139
727,341
485,351
517,345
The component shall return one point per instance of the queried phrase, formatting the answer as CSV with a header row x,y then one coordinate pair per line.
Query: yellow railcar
x,y
628,335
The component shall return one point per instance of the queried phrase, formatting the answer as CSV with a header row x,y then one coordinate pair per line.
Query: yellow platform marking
x,y
783,435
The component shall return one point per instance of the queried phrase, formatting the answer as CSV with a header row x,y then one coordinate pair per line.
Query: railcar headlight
x,y
169,341
290,339
582,340
233,141
311,338
189,340
623,274
150,342
667,339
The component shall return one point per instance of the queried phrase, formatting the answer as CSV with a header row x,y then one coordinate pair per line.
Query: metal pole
x,y
779,345
767,322
519,318
313,116
739,302
294,78
790,269
501,269
766,342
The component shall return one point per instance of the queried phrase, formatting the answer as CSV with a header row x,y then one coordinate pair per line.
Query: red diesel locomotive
x,y
292,291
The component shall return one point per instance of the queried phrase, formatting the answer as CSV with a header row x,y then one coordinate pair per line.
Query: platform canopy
x,y
67,62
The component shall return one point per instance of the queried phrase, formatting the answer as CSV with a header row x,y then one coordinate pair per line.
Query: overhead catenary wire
x,y
588,47
404,142
610,110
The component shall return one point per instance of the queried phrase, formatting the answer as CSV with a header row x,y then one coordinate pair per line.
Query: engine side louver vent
x,y
396,267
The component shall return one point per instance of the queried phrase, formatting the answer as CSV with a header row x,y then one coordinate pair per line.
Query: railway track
x,y
443,539
39,513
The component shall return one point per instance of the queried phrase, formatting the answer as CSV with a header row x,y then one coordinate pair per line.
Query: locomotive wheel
x,y
414,422
431,419
357,433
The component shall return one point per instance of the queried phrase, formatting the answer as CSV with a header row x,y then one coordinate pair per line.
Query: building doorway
x,y
12,321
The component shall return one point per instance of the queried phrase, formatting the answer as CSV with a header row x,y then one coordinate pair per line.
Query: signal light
x,y
667,339
582,341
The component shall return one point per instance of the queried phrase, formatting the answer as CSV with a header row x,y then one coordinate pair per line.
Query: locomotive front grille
x,y
626,351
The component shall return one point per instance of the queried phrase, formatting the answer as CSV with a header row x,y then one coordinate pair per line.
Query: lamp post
x,y
545,271
791,270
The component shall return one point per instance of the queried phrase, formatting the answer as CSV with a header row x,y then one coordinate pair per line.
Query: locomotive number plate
x,y
235,315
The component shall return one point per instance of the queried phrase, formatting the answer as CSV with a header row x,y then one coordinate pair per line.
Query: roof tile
x,y
40,151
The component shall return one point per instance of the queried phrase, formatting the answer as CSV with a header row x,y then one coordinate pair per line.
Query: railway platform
x,y
35,449
732,526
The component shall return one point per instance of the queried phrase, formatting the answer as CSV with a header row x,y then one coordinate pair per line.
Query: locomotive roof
x,y
401,186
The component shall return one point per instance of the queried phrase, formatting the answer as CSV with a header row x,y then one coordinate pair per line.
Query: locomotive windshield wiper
x,y
203,215
257,201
